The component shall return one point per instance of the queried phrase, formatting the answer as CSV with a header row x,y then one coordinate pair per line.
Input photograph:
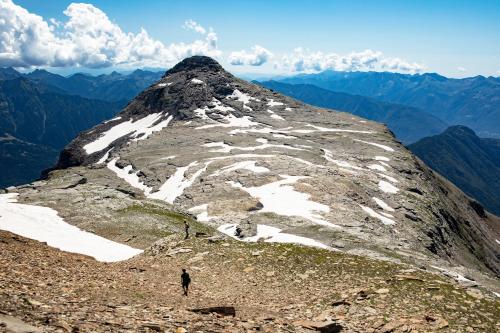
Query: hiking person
x,y
186,229
185,280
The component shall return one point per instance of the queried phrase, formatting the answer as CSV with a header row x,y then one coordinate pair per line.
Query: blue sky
x,y
454,38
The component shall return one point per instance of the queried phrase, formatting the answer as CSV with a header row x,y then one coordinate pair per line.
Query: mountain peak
x,y
196,62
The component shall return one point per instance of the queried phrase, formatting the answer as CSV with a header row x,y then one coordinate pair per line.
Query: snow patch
x,y
45,225
384,147
387,187
139,129
202,213
271,103
324,129
327,154
271,235
381,158
197,81
104,157
382,218
242,97
377,167
282,199
243,165
130,177
383,205
458,277
177,183
389,178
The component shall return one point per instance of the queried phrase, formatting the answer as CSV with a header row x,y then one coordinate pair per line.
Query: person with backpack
x,y
185,280
186,229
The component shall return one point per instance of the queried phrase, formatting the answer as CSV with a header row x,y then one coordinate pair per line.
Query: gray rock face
x,y
230,152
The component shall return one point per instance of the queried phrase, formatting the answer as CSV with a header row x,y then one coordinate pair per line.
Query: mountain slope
x,y
36,122
407,123
471,163
236,155
472,102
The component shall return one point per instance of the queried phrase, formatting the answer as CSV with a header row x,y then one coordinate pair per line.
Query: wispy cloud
x,y
302,60
461,69
89,39
256,57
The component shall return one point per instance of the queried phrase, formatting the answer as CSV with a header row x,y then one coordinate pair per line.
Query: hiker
x,y
185,280
237,232
186,229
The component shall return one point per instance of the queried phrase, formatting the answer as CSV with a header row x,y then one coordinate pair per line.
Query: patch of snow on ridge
x,y
163,85
282,199
458,277
496,240
383,205
387,187
389,178
384,147
177,183
377,167
328,156
232,121
271,102
45,225
278,117
372,213
131,178
245,165
197,81
271,235
225,148
324,129
381,158
104,157
146,132
136,128
242,97
116,118
202,213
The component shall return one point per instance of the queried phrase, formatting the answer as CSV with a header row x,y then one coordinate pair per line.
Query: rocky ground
x,y
272,287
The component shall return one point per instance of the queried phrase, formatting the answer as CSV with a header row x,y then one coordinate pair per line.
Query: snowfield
x,y
282,199
271,235
45,225
140,129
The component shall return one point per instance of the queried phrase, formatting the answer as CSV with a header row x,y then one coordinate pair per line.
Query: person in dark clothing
x,y
186,229
185,280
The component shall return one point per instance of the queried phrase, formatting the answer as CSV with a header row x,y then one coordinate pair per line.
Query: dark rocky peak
x,y
200,63
461,131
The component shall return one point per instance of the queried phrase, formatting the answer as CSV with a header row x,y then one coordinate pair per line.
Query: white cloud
x,y
302,60
461,69
256,57
192,25
88,39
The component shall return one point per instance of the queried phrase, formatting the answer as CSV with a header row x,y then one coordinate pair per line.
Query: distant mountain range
x,y
471,163
36,121
408,123
473,102
41,112
108,87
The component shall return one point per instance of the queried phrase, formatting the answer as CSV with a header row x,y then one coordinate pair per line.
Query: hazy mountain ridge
x,y
470,162
407,123
37,121
472,102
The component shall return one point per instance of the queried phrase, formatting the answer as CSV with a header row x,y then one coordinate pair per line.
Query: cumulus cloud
x,y
192,25
256,57
89,39
301,60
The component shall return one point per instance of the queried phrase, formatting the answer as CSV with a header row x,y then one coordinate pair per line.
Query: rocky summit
x,y
244,164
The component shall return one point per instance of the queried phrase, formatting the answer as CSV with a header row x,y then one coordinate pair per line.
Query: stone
x,y
14,325
222,310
